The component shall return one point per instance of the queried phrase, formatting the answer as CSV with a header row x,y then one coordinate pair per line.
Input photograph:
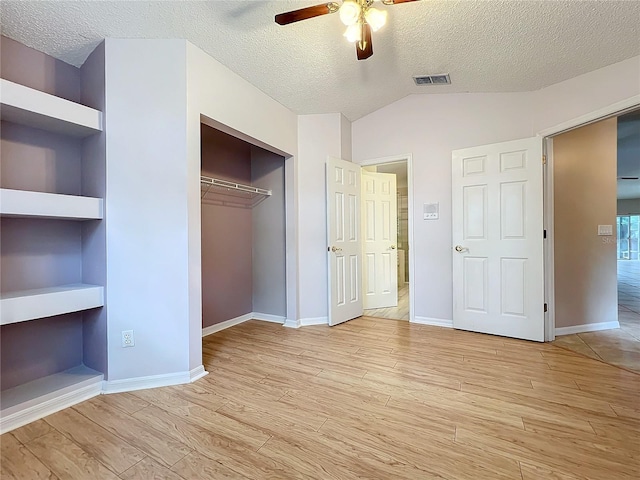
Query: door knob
x,y
460,248
335,249
392,247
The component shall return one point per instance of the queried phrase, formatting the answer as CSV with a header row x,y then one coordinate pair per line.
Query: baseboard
x,y
435,322
151,381
306,322
267,317
291,323
587,327
197,373
67,398
226,324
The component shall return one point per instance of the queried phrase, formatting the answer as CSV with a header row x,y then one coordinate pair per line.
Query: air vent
x,y
441,79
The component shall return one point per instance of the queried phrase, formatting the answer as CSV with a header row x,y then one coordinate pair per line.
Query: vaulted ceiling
x,y
486,46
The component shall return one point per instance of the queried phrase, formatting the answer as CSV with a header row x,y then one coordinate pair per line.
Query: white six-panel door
x,y
379,239
344,244
498,269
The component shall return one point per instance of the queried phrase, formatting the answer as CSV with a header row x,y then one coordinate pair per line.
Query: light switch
x,y
605,230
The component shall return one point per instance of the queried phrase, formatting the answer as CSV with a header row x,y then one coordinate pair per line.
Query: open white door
x,y
345,246
498,269
379,238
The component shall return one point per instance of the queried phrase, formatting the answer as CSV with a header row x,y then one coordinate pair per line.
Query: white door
x,y
345,246
379,239
498,269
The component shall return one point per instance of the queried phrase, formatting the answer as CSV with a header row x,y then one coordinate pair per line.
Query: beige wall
x,y
584,162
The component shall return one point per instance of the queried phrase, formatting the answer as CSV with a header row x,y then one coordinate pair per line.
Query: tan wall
x,y
585,163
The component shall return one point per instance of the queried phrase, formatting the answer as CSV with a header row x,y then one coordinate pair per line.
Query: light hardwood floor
x,y
401,312
366,399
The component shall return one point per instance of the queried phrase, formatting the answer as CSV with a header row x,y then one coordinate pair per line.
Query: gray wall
x,y
26,66
226,230
34,349
269,230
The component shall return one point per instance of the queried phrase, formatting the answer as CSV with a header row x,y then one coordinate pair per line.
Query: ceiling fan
x,y
360,17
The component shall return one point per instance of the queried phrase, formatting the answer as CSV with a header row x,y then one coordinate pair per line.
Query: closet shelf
x,y
46,302
208,182
26,106
21,203
17,401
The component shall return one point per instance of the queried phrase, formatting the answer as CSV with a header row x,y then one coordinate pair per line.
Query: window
x,y
627,230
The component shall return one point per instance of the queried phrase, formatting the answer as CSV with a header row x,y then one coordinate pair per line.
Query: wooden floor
x,y
399,312
371,398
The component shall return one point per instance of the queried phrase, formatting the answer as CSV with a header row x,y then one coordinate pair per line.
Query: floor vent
x,y
441,79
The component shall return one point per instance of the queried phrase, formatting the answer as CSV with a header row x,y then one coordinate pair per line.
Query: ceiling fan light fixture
x,y
353,33
375,18
349,12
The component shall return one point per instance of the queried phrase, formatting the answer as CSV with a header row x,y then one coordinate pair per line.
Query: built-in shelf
x,y
26,106
24,403
46,302
21,203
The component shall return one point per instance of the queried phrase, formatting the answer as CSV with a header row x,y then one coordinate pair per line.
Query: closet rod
x,y
234,186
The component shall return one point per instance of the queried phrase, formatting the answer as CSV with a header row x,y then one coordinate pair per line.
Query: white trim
x,y
435,322
587,327
549,253
141,383
291,323
306,322
64,399
197,373
408,158
611,110
226,324
267,317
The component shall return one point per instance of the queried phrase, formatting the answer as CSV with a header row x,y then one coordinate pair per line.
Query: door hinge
x,y
545,308
544,234
544,159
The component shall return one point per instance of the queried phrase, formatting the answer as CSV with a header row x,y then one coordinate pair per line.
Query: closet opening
x,y
243,232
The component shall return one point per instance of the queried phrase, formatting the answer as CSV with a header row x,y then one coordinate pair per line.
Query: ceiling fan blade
x,y
364,48
305,13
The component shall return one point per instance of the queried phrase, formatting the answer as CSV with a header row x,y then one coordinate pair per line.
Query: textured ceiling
x,y
486,46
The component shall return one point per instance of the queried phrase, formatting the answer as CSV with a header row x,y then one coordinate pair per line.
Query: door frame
x,y
613,110
408,158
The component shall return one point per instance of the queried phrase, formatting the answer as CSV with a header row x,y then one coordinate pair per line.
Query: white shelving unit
x,y
20,203
37,109
46,302
34,399
41,397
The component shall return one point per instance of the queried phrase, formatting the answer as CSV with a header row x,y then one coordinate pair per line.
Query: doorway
x,y
597,307
398,305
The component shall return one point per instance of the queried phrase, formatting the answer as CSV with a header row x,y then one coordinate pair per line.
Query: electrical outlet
x,y
127,338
